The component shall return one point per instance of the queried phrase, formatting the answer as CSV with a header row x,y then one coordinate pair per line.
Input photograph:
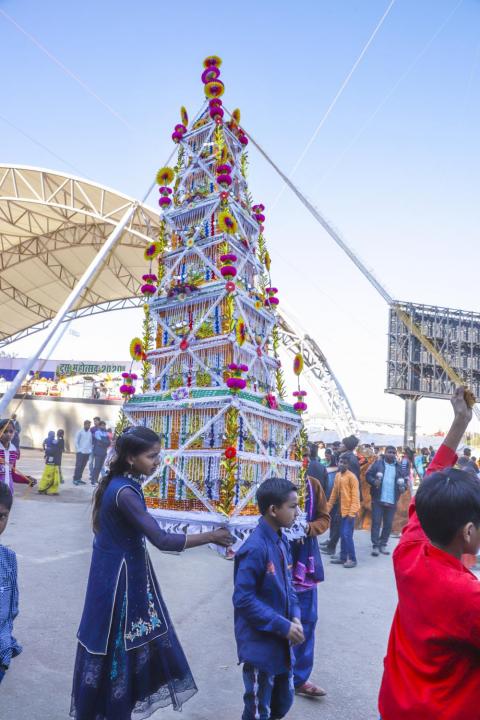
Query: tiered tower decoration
x,y
212,388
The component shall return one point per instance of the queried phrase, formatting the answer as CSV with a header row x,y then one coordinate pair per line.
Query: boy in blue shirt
x,y
267,613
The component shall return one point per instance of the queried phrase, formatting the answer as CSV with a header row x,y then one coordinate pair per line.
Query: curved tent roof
x,y
51,226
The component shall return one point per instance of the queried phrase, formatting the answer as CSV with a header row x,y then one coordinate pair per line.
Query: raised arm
x,y
445,457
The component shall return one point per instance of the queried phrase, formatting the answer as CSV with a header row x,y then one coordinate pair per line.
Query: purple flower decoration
x,y
180,394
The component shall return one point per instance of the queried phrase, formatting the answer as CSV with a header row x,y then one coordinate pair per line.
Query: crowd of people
x,y
92,443
129,661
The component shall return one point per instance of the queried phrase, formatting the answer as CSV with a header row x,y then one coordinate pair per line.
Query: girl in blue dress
x,y
129,661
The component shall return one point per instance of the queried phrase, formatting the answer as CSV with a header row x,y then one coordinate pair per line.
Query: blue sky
x,y
395,167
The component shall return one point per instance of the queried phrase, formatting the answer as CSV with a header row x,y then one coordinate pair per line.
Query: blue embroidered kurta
x,y
119,548
129,660
8,605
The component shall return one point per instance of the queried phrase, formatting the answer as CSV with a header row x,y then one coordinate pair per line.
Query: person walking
x,y
17,428
307,572
9,456
101,443
346,491
9,647
400,518
387,483
50,481
83,450
421,462
9,453
129,662
267,611
364,519
328,547
349,444
61,450
93,430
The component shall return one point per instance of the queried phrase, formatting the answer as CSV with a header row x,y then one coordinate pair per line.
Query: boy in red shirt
x,y
432,666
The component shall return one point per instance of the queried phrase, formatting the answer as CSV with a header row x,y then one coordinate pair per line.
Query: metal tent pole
x,y
68,304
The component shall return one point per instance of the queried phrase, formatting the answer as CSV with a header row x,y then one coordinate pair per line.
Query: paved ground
x,y
52,538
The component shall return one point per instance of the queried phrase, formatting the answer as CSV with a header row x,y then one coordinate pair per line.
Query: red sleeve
x,y
443,458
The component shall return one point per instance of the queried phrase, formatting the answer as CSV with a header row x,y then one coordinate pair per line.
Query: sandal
x,y
310,690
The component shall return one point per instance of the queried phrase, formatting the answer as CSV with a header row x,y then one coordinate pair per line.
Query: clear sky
x,y
395,167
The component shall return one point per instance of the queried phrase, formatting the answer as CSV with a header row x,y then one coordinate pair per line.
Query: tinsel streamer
x,y
229,314
227,492
178,169
147,339
219,139
264,281
279,376
122,423
300,448
244,165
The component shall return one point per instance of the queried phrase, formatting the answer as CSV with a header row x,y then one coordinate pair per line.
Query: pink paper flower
x,y
228,271
236,384
224,180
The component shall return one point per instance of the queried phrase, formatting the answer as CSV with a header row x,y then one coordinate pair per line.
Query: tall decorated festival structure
x,y
212,386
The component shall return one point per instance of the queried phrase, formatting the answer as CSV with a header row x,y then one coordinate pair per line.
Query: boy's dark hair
x,y
350,442
445,502
6,497
273,491
345,457
391,447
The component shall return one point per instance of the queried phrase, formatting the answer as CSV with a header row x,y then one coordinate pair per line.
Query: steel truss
x,y
46,219
109,306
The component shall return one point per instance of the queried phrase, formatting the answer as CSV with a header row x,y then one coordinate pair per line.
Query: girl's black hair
x,y
5,422
410,454
6,497
133,441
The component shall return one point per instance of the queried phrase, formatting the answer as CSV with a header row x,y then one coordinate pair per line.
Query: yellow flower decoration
x,y
184,116
240,332
298,364
165,176
227,223
152,250
212,60
214,89
236,116
136,349
267,261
